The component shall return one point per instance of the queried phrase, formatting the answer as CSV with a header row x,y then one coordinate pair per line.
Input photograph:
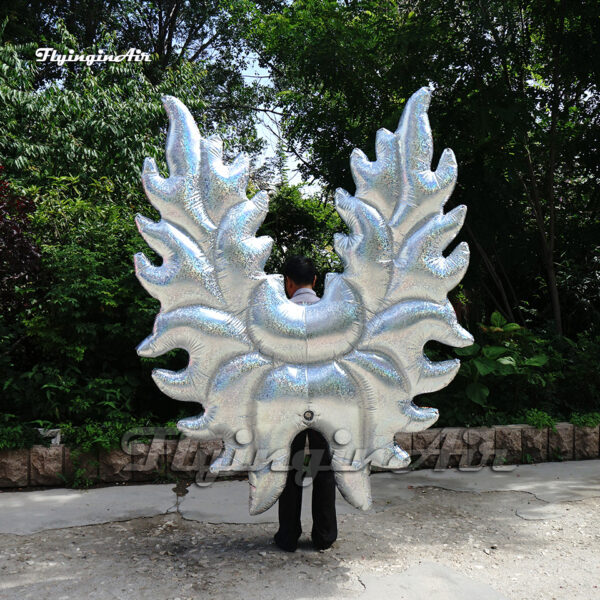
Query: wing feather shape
x,y
258,363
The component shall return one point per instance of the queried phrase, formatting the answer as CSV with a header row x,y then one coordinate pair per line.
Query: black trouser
x,y
324,529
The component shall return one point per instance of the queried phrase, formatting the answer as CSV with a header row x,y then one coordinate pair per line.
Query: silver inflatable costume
x,y
263,368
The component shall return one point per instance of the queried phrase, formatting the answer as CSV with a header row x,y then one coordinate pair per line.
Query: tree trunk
x,y
502,303
554,296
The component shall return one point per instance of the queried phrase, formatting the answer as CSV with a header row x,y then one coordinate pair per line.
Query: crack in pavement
x,y
361,582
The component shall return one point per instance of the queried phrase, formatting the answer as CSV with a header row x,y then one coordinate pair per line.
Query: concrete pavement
x,y
26,512
528,532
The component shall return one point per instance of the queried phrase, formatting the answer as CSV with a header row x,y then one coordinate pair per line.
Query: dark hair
x,y
300,269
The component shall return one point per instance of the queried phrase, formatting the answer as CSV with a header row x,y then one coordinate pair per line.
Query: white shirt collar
x,y
300,291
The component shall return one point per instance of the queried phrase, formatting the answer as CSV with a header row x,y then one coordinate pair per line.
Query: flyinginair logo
x,y
50,54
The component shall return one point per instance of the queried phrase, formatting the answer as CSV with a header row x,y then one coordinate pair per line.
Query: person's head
x,y
298,272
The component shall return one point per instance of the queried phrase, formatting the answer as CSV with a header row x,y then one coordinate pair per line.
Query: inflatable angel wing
x,y
262,368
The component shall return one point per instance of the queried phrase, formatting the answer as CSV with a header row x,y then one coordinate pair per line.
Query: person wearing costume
x,y
299,279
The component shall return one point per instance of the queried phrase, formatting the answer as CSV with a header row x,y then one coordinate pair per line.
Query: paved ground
x,y
529,533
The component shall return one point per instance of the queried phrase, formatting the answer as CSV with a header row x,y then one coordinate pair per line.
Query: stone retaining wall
x,y
441,448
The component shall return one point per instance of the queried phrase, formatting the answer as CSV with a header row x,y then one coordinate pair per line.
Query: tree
x,y
19,265
515,84
203,31
300,225
101,122
73,151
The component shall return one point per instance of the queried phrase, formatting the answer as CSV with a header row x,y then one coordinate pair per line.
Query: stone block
x,y
508,445
147,460
534,444
192,456
150,461
188,457
481,447
113,466
14,468
426,447
211,449
586,442
169,451
46,465
453,448
560,442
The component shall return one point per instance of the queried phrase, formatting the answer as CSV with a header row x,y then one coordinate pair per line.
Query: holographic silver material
x,y
263,368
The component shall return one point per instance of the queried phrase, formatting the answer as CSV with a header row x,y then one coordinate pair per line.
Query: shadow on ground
x,y
419,544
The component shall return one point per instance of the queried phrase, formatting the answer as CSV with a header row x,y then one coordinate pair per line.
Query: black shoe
x,y
320,545
284,545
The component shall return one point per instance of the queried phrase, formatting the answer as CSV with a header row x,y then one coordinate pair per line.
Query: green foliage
x,y
85,315
512,373
16,434
80,478
99,435
528,459
511,351
74,138
73,149
586,420
540,419
513,99
304,226
99,124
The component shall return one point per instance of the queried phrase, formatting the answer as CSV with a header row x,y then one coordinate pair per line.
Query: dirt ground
x,y
478,537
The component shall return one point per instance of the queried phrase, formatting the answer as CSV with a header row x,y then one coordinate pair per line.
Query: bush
x,y
586,420
514,374
540,419
15,434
